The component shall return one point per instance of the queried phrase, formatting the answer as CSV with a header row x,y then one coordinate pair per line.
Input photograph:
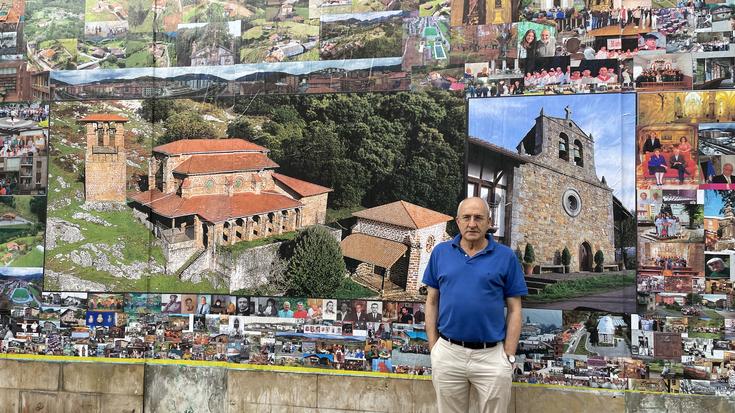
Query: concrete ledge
x,y
276,389
103,378
34,376
119,388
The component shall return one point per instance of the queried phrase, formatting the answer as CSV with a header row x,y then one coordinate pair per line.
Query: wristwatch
x,y
512,359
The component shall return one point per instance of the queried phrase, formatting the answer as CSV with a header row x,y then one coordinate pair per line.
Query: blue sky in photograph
x,y
713,203
610,118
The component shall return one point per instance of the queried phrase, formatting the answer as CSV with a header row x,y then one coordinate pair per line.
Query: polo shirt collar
x,y
490,243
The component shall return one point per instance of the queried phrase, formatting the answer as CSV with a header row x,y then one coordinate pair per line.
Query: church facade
x,y
547,193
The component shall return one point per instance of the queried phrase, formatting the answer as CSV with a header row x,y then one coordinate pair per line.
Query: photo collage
x,y
684,209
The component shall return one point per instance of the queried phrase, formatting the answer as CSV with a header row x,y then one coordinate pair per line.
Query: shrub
x,y
566,256
529,256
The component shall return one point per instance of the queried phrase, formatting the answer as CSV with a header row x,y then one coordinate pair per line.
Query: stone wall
x,y
249,268
41,386
436,232
548,132
383,230
315,209
239,182
104,177
177,254
539,217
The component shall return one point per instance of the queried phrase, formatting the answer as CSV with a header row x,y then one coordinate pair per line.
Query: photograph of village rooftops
x,y
560,194
264,196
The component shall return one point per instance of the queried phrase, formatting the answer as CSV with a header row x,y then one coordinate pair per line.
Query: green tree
x,y
241,128
693,299
38,207
137,12
599,260
317,267
156,110
696,214
529,255
8,200
187,125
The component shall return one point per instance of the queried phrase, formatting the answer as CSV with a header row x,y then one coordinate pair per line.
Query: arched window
x,y
578,154
100,129
563,146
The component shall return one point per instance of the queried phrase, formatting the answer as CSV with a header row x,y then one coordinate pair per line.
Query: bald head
x,y
475,200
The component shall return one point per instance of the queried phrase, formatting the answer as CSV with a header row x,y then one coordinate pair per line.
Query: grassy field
x,y
104,16
581,350
564,290
428,8
34,258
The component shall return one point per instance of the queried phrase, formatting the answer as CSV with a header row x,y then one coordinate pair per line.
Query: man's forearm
x,y
512,331
432,315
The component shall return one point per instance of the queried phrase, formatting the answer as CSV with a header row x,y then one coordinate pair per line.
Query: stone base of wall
x,y
36,386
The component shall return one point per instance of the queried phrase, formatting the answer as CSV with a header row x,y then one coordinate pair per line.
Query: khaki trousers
x,y
456,370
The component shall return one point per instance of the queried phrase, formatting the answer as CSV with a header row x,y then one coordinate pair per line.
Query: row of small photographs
x,y
359,311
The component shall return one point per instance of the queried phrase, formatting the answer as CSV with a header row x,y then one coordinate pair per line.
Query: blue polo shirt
x,y
472,290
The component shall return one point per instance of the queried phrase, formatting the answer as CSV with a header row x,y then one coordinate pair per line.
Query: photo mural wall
x,y
260,183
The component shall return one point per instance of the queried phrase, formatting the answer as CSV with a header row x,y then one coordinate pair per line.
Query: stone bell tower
x,y
105,158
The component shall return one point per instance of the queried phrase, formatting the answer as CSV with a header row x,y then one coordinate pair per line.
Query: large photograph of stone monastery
x,y
259,197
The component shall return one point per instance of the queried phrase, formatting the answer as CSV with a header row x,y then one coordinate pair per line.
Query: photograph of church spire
x,y
560,193
208,192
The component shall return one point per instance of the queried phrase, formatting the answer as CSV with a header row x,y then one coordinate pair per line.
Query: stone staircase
x,y
536,284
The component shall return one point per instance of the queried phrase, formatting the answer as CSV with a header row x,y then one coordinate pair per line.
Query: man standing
x,y
374,315
470,280
203,307
546,47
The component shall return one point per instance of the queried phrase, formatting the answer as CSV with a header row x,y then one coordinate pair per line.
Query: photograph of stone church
x,y
560,193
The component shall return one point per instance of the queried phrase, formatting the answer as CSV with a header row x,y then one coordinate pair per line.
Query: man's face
x,y
204,300
603,71
545,36
650,43
727,169
300,306
287,306
473,220
172,298
344,307
374,308
644,196
358,308
188,303
404,310
717,266
242,303
330,305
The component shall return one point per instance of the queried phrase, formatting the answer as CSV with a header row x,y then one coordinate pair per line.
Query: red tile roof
x,y
366,248
187,146
221,163
103,117
215,208
403,214
302,188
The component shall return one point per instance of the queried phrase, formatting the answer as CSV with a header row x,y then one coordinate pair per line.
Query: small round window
x,y
209,184
572,202
238,183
